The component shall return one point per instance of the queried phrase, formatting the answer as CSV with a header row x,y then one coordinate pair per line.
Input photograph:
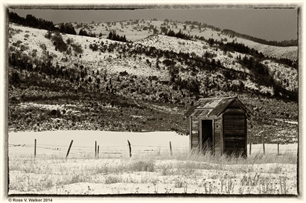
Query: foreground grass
x,y
182,173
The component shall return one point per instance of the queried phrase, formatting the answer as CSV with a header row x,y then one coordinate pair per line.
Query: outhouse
x,y
218,125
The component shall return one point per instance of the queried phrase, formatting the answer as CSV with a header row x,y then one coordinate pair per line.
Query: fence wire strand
x,y
123,150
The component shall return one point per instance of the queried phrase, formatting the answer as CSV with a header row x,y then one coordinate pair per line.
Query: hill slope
x,y
135,30
61,81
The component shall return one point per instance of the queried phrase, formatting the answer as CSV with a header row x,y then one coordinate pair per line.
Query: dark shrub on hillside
x,y
77,48
14,79
58,42
55,113
93,47
43,47
124,73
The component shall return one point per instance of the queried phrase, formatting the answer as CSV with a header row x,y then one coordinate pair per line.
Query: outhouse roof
x,y
212,106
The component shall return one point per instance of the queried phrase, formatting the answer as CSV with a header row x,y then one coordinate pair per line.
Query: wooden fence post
x,y
278,148
69,149
263,145
130,148
34,148
250,150
170,148
95,149
98,152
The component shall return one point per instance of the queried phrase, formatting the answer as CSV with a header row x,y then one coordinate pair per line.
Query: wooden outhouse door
x,y
207,134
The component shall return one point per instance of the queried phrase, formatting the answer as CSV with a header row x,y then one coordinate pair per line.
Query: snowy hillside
x,y
156,74
136,30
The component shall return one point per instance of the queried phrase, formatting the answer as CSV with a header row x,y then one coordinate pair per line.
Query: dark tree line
x,y
83,32
67,28
202,25
283,43
31,21
179,34
241,48
116,37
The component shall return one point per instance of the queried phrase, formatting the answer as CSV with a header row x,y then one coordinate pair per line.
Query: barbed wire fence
x,y
98,151
129,150
277,143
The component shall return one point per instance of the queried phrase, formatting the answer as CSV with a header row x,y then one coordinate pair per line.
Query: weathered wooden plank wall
x,y
195,139
234,131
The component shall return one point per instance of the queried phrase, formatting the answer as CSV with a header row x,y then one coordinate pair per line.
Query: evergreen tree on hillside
x,y
67,28
171,33
83,32
110,35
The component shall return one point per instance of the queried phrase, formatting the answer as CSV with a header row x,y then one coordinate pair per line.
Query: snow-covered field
x,y
150,170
